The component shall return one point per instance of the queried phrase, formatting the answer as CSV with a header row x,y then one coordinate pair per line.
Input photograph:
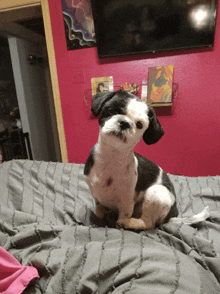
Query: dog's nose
x,y
124,125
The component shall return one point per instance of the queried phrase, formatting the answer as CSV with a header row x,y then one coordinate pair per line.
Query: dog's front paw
x,y
130,223
122,223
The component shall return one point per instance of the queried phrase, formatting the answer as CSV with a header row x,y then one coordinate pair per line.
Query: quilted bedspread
x,y
47,221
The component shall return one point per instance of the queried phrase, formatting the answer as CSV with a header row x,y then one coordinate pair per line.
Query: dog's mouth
x,y
119,135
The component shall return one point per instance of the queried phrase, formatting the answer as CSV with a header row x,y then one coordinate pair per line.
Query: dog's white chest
x,y
111,183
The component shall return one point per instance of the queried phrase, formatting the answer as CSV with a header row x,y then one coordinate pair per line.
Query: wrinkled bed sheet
x,y
47,222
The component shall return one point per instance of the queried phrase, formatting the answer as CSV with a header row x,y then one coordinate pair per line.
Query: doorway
x,y
27,78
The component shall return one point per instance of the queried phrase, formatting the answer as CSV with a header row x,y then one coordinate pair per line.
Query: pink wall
x,y
191,142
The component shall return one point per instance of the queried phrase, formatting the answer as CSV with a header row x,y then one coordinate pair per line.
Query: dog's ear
x,y
99,100
154,131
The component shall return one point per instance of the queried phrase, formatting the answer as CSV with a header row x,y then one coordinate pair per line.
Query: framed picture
x,y
160,82
102,84
79,25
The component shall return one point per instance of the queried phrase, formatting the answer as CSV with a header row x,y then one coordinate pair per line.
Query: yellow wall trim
x,y
6,4
54,78
20,13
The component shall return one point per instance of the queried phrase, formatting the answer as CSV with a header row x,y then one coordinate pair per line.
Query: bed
x,y
47,222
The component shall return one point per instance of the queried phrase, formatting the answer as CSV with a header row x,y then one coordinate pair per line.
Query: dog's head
x,y
125,119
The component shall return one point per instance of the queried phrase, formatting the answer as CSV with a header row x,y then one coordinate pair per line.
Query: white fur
x,y
137,111
119,195
157,204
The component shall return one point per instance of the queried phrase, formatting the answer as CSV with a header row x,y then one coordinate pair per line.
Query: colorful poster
x,y
160,81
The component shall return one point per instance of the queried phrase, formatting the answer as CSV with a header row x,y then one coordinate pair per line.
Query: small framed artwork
x,y
79,25
102,84
160,83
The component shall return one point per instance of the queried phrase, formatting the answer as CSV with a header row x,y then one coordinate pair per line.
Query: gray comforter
x,y
47,221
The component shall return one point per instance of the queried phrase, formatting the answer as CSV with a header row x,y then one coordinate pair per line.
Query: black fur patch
x,y
117,105
173,210
89,162
154,131
148,172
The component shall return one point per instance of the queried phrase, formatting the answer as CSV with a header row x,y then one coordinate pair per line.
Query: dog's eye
x,y
139,125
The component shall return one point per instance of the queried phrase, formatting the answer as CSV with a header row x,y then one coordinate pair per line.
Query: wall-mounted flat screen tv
x,y
125,27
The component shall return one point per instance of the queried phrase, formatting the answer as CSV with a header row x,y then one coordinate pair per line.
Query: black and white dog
x,y
119,179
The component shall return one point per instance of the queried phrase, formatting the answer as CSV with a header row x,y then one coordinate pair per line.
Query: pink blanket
x,y
14,277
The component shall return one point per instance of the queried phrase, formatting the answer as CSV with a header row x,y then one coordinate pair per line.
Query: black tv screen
x,y
125,27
